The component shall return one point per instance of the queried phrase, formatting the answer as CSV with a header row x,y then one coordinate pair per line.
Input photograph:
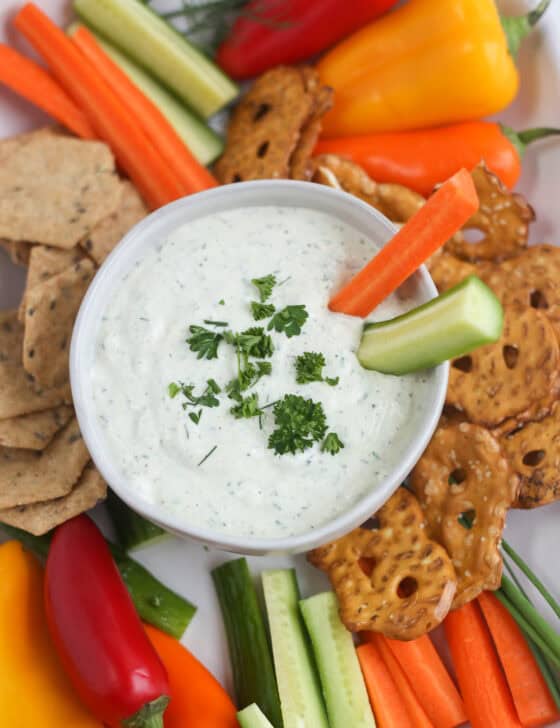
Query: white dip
x,y
243,488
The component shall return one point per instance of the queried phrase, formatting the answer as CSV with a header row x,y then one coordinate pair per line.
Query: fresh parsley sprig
x,y
290,320
204,342
247,407
299,424
309,368
332,444
265,286
262,311
247,378
207,399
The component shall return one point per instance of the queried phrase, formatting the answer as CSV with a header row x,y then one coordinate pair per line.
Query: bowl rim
x,y
104,283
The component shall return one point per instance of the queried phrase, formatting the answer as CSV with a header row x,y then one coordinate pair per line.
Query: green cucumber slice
x,y
463,318
251,658
161,50
339,670
204,142
298,684
132,529
253,717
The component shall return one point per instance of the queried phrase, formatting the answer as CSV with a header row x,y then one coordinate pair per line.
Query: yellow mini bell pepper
x,y
34,690
429,62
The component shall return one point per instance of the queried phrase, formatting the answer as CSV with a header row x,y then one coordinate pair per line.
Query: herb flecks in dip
x,y
219,472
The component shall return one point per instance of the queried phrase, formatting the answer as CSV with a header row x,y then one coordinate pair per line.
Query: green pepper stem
x,y
149,715
521,139
518,27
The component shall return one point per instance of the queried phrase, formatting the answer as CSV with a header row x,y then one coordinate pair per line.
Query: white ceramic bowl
x,y
145,236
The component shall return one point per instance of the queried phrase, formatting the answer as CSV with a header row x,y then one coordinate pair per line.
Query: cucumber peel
x,y
463,318
298,684
148,39
253,717
132,529
339,670
202,141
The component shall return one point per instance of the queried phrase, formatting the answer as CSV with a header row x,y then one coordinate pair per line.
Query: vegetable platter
x,y
186,566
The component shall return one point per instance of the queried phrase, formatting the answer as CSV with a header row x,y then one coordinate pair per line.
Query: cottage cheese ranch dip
x,y
166,409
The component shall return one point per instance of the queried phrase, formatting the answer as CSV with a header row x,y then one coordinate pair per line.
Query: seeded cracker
x,y
412,581
265,127
52,474
301,166
34,431
534,454
110,231
503,219
464,475
51,308
39,518
518,376
11,336
55,189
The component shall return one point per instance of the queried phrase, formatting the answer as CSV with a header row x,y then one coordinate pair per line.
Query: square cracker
x,y
51,308
55,189
11,337
29,477
109,232
34,431
39,518
44,263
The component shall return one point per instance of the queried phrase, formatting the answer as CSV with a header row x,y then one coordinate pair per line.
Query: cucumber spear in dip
x,y
463,318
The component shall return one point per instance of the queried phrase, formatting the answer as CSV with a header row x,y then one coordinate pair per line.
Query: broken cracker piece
x,y
54,189
465,485
517,377
39,518
34,431
410,580
51,308
110,231
50,475
503,219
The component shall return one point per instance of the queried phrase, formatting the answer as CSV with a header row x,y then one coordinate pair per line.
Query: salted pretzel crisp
x,y
393,579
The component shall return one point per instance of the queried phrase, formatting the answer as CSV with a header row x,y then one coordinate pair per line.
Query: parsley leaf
x,y
254,342
332,444
247,378
289,320
206,399
309,368
262,310
195,416
173,389
299,423
248,407
264,285
204,342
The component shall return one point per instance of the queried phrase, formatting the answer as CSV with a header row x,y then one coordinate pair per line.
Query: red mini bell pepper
x,y
272,32
97,633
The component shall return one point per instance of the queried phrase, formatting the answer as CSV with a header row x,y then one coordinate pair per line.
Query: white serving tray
x,y
186,566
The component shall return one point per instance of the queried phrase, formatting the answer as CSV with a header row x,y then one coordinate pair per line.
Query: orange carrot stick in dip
x,y
445,212
108,115
172,148
27,79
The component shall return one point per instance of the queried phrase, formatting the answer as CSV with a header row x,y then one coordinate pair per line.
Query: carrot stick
x,y
532,699
197,698
413,707
430,680
385,699
445,212
487,697
108,115
29,80
172,148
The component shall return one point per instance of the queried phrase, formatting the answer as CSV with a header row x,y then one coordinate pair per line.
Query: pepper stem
x,y
520,139
149,715
518,27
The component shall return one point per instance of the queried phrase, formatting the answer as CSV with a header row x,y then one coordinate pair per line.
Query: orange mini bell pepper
x,y
425,64
34,690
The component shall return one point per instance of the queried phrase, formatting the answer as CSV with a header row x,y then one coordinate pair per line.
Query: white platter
x,y
186,566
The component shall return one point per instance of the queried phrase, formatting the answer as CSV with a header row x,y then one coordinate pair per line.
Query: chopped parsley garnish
x,y
248,407
206,399
195,416
173,389
332,444
299,424
221,302
216,323
309,368
205,458
262,311
204,342
253,342
264,286
247,378
289,320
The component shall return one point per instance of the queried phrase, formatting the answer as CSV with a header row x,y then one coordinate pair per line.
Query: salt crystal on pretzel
x,y
410,580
